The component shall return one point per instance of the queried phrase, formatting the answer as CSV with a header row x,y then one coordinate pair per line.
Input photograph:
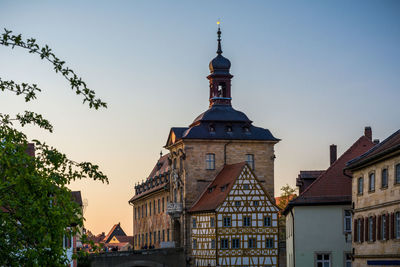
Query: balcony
x,y
174,209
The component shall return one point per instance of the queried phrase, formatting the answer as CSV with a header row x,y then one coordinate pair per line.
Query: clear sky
x,y
313,72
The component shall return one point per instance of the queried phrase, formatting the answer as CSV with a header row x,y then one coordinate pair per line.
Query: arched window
x,y
360,184
210,161
250,160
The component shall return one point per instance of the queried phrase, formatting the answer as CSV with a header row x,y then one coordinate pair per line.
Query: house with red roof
x,y
318,221
234,222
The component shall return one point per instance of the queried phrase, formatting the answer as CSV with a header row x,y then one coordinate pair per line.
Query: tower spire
x,y
219,51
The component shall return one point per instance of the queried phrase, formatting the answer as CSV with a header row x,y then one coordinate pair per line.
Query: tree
x,y
288,193
36,205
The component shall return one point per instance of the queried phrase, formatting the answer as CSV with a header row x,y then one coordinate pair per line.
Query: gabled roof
x,y
333,186
124,238
116,230
379,152
213,196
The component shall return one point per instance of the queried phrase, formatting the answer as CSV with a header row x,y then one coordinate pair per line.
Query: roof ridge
x,y
351,148
372,149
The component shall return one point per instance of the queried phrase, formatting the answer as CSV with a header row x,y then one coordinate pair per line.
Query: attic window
x,y
246,186
229,128
212,128
211,189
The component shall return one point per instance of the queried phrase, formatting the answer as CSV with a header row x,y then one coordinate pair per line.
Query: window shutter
x,y
392,228
362,230
387,226
379,227
366,229
374,228
355,230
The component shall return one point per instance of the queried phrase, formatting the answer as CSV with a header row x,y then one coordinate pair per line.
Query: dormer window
x,y
211,189
246,129
223,188
212,128
229,128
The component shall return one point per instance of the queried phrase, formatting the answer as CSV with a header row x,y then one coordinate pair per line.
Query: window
x,y
397,225
267,221
135,214
155,237
246,186
384,178
150,208
359,230
397,174
146,209
347,221
227,221
235,243
229,128
142,239
67,240
255,203
158,206
323,260
360,186
163,205
210,161
174,165
224,243
252,243
194,243
246,221
383,227
269,243
163,235
146,239
154,206
347,260
212,243
168,235
194,222
150,238
212,222
159,236
250,160
371,182
370,228
238,203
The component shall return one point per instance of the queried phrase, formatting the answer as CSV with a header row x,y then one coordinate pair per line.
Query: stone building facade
x,y
376,203
219,136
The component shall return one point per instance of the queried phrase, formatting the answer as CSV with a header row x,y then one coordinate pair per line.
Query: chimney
x,y
376,141
333,153
368,132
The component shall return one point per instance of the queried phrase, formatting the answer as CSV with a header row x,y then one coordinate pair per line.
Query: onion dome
x,y
220,64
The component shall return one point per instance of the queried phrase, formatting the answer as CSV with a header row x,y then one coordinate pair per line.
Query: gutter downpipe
x,y
226,144
294,251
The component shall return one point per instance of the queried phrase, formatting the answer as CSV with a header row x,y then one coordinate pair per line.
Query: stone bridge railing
x,y
166,257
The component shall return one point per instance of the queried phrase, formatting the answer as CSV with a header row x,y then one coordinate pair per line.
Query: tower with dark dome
x,y
218,137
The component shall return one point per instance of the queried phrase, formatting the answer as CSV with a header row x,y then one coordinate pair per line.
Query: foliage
x,y
36,205
288,193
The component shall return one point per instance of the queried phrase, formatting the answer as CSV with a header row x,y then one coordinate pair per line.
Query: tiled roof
x,y
124,238
389,145
77,197
161,168
310,174
213,196
116,230
333,185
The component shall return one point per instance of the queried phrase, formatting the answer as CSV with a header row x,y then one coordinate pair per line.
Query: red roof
x,y
213,196
378,152
333,185
116,230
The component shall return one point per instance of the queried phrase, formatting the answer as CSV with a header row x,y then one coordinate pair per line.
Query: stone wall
x,y
375,203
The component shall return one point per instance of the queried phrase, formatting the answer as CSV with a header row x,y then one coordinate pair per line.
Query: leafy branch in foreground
x,y
76,83
36,206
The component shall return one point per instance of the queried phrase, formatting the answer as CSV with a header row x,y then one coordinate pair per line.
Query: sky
x,y
314,73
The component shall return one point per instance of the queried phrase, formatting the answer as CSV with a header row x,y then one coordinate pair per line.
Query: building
x,y
218,137
376,203
151,223
318,221
235,221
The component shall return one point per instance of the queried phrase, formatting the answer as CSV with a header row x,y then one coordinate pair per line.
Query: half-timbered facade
x,y
235,221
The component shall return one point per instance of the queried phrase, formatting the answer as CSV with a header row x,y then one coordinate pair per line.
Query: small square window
x,y
255,203
238,203
246,186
